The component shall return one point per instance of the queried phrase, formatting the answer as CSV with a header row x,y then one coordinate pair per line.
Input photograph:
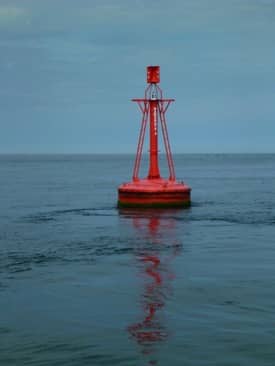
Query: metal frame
x,y
153,93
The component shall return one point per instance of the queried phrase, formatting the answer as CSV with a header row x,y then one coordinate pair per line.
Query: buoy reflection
x,y
157,246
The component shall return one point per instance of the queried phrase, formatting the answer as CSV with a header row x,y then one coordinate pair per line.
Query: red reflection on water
x,y
149,329
158,245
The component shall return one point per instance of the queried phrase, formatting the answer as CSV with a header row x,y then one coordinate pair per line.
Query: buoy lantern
x,y
154,191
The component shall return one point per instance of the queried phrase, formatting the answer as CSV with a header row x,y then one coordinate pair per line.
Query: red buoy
x,y
154,191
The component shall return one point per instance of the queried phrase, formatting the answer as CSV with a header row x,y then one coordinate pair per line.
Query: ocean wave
x,y
44,217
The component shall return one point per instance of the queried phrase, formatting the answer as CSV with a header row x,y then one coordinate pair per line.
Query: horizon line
x,y
134,153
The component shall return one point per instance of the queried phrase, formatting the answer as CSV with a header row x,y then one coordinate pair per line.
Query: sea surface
x,y
83,283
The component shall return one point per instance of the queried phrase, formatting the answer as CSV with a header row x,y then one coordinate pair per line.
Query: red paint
x,y
154,165
154,190
153,74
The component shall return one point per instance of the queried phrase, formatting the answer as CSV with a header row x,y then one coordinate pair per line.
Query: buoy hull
x,y
154,193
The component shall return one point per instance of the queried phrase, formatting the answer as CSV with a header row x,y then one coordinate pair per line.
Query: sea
x,y
85,283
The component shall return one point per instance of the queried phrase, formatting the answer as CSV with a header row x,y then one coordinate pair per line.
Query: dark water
x,y
82,283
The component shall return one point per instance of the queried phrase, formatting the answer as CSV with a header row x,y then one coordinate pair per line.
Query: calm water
x,y
82,283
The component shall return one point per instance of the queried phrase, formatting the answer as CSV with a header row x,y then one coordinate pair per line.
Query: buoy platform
x,y
154,191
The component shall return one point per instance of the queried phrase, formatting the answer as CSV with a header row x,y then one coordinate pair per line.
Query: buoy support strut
x,y
153,108
144,109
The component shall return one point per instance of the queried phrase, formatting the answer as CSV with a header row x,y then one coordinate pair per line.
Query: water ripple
x,y
44,217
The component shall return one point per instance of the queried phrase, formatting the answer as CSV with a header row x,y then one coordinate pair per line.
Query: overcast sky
x,y
68,69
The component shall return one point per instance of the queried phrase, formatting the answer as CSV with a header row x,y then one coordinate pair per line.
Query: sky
x,y
69,69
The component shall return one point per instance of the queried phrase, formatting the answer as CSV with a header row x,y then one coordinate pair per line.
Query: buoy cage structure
x,y
154,191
